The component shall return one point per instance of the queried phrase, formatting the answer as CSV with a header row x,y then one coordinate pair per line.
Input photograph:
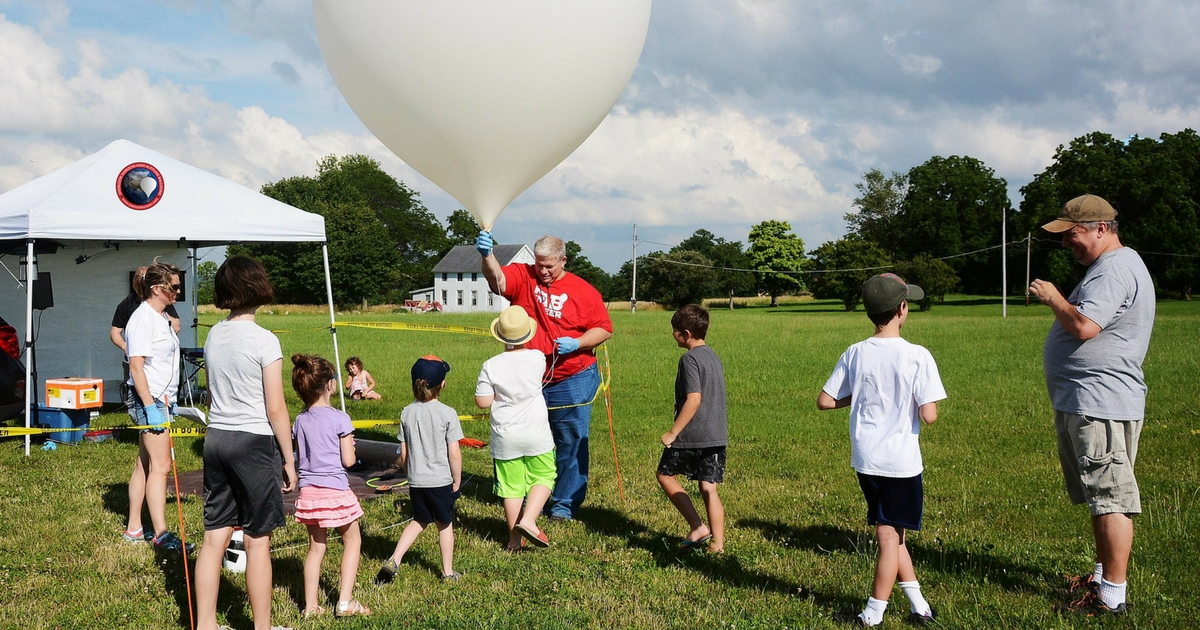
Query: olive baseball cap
x,y
886,291
1082,209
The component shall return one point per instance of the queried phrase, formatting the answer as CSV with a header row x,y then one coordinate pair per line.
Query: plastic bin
x,y
54,418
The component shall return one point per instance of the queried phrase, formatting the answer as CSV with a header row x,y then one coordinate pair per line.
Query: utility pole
x,y
1028,248
1004,262
633,289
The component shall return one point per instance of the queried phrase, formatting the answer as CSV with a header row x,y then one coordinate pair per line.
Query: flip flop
x,y
535,536
688,545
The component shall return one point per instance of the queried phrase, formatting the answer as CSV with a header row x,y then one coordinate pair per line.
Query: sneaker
x,y
135,537
170,542
387,573
558,518
453,577
923,620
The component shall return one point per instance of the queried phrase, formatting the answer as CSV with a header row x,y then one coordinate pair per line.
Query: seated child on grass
x,y
891,386
361,384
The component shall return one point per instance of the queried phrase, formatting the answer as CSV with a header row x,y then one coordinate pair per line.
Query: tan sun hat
x,y
514,326
1082,209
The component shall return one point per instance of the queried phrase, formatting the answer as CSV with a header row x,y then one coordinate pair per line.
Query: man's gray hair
x,y
550,246
1092,226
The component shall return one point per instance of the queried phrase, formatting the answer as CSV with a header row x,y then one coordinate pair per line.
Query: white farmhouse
x,y
459,285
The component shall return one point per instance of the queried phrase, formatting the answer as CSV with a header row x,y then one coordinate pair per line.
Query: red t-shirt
x,y
568,308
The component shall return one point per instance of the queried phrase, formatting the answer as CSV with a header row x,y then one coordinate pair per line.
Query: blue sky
x,y
740,111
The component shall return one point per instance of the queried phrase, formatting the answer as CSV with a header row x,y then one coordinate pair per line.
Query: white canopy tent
x,y
79,209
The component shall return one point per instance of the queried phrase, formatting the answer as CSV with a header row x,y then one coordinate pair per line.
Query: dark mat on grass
x,y
192,482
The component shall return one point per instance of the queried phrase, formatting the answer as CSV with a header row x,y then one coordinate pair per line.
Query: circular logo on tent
x,y
139,186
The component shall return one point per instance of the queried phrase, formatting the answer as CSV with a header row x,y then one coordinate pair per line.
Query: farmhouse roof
x,y
463,258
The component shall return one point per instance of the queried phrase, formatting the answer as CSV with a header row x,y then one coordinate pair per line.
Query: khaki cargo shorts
x,y
1097,457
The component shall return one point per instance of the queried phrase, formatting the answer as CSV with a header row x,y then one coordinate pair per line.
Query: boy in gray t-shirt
x,y
429,450
695,445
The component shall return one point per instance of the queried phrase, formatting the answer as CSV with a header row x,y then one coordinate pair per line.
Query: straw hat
x,y
514,326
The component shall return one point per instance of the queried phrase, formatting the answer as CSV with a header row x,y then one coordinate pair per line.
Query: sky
x,y
739,111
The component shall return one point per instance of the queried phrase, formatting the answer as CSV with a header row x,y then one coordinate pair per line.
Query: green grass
x,y
999,529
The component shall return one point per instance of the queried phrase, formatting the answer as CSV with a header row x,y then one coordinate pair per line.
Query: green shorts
x,y
1097,459
515,477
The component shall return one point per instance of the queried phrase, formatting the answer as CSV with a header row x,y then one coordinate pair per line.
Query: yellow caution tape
x,y
370,424
175,431
463,330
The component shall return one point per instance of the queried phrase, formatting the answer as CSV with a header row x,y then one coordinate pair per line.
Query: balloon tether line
x,y
187,576
612,437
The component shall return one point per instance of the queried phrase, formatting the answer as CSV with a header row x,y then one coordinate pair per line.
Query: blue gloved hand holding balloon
x,y
154,417
484,244
567,345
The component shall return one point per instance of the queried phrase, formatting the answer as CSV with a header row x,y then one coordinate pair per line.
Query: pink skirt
x,y
326,507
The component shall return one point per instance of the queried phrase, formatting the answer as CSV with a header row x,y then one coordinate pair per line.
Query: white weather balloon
x,y
483,97
148,185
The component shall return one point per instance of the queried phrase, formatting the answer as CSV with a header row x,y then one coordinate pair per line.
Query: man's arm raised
x,y
491,266
1067,314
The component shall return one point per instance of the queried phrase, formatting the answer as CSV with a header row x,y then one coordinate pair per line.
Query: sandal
x,y
316,612
534,535
688,545
453,577
351,608
387,572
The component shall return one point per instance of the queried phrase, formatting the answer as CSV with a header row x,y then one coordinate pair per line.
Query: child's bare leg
x,y
538,495
407,538
312,566
682,502
372,395
905,569
888,567
446,542
512,514
716,514
351,552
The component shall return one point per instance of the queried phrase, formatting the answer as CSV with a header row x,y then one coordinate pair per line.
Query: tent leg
x,y
337,359
30,274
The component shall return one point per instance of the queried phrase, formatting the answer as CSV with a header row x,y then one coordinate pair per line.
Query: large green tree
x,y
676,278
954,205
880,202
1153,183
382,241
461,229
725,255
841,267
778,255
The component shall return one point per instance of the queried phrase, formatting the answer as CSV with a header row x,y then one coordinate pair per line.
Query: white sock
x,y
912,590
872,615
1098,574
1112,595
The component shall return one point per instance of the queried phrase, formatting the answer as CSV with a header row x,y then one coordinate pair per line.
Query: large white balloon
x,y
483,97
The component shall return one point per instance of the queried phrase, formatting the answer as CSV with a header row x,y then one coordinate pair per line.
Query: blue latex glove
x,y
567,345
484,244
154,417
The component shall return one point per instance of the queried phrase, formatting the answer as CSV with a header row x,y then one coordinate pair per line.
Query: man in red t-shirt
x,y
572,320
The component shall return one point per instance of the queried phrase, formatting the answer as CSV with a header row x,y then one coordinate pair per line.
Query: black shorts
x,y
243,482
699,464
433,504
893,501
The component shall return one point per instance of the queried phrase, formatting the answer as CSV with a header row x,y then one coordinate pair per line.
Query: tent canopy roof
x,y
80,201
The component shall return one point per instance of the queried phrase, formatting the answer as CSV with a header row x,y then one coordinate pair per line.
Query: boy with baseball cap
x,y
891,386
429,452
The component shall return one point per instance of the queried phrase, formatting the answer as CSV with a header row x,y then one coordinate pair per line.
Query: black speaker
x,y
43,292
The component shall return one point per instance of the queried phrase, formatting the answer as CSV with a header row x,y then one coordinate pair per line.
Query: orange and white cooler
x,y
74,393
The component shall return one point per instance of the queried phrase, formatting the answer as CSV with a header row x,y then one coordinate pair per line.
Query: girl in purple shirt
x,y
325,439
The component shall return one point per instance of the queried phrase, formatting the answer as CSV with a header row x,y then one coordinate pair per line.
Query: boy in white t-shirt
x,y
891,386
522,445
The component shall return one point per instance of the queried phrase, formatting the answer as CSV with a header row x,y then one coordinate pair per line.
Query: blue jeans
x,y
570,430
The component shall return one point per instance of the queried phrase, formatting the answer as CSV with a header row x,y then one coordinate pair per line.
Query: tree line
x,y
937,225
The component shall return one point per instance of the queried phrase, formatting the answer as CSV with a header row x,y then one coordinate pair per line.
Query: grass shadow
x,y
723,567
937,555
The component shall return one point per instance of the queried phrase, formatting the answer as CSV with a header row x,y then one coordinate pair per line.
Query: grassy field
x,y
999,530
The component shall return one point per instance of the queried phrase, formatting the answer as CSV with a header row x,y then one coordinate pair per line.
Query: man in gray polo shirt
x,y
1093,363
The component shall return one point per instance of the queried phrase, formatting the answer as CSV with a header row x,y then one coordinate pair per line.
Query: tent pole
x,y
337,359
30,274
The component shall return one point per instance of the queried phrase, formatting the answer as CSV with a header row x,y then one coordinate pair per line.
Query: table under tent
x,y
81,231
